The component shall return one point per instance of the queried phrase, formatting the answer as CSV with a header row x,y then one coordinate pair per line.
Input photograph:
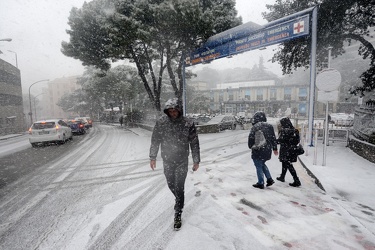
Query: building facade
x,y
12,118
55,90
247,97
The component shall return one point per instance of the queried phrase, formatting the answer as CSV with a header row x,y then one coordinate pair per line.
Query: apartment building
x,y
270,96
12,118
53,93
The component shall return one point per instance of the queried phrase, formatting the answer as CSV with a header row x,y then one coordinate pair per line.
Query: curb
x,y
317,181
6,137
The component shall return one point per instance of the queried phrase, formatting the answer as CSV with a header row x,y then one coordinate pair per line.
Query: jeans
x,y
261,168
176,173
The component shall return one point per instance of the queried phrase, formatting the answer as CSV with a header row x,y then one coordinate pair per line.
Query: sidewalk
x,y
347,178
5,137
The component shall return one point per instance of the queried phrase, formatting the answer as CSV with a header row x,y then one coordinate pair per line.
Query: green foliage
x,y
339,23
135,116
75,102
102,89
148,33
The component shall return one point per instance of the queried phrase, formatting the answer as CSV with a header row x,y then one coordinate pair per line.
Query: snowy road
x,y
105,196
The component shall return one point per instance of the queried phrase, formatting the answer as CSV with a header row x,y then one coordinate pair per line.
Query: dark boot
x,y
270,181
177,221
282,179
293,172
296,183
284,169
257,185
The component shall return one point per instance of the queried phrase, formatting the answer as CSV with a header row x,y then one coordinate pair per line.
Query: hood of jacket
x,y
286,123
259,116
172,104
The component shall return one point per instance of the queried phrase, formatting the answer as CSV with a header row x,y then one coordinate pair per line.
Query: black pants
x,y
176,173
288,166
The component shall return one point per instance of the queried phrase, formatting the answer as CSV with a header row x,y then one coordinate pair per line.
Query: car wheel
x,y
34,145
62,141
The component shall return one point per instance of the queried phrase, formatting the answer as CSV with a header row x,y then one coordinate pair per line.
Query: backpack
x,y
259,140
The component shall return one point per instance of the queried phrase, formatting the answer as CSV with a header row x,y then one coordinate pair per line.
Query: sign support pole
x,y
312,75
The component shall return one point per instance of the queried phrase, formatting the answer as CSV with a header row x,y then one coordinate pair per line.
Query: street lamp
x,y
16,57
31,112
35,105
5,40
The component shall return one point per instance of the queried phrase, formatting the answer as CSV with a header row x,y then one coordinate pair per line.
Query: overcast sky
x,y
37,28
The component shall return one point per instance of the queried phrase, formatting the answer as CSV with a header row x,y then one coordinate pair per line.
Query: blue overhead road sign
x,y
279,32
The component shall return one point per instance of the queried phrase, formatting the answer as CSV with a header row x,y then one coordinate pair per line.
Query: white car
x,y
342,119
50,131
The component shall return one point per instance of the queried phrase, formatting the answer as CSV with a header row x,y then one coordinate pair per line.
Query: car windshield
x,y
43,125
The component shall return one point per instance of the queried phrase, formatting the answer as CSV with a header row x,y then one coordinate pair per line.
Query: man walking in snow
x,y
174,133
262,141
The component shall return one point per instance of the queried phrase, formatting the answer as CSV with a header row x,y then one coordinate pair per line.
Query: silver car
x,y
50,131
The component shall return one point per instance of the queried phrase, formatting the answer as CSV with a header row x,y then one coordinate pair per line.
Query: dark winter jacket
x,y
175,136
288,139
260,123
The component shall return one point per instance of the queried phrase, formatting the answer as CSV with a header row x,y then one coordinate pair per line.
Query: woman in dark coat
x,y
288,139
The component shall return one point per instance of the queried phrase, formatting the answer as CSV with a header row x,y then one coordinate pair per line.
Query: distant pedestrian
x,y
288,139
262,141
121,120
174,133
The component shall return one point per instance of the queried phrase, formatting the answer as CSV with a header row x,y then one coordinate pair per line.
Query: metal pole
x,y
35,105
312,74
31,112
326,132
35,110
316,146
325,136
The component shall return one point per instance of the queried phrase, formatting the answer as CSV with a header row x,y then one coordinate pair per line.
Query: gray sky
x,y
37,28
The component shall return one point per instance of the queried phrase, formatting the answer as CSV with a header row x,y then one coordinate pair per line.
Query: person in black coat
x,y
262,147
288,140
175,133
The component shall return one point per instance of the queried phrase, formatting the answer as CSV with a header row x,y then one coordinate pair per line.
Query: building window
x,y
302,108
288,94
247,94
302,95
259,94
230,95
273,94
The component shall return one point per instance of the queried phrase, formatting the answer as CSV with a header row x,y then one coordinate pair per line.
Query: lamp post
x,y
31,112
35,105
16,57
5,40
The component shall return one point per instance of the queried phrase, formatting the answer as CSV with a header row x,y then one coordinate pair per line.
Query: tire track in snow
x,y
112,233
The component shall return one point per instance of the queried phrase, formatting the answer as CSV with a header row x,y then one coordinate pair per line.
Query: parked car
x,y
201,120
78,127
49,131
342,119
224,122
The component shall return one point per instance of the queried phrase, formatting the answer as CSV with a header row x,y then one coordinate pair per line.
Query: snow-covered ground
x,y
107,197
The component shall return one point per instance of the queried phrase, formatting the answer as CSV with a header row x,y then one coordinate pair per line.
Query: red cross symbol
x,y
298,28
